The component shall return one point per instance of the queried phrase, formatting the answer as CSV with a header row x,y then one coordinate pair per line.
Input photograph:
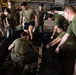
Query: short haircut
x,y
50,16
61,27
70,8
23,4
23,34
7,10
41,4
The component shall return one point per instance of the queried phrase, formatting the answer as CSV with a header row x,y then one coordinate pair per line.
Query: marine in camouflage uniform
x,y
41,17
59,20
20,50
66,53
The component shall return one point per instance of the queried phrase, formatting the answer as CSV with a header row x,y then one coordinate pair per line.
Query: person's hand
x,y
57,50
52,37
47,46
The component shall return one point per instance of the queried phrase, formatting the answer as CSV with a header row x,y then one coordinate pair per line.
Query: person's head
x,y
60,29
50,17
41,6
69,12
24,35
10,4
7,11
24,5
52,11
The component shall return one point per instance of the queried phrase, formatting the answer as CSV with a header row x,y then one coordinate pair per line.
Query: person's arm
x,y
57,23
54,42
45,15
35,50
6,19
1,32
21,18
35,13
36,20
11,47
65,37
55,29
4,23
